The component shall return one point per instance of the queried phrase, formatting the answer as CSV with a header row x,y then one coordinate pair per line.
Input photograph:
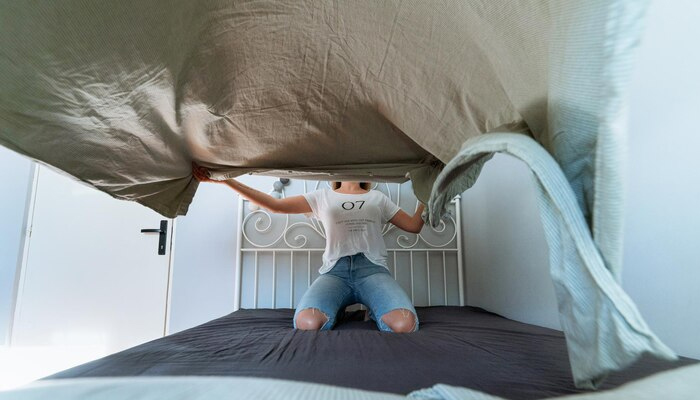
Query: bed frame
x,y
269,273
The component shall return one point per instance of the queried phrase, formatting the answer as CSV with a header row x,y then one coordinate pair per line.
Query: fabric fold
x,y
604,330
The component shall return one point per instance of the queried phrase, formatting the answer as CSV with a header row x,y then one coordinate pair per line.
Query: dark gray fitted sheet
x,y
461,346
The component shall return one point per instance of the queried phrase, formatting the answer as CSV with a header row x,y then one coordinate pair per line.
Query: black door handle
x,y
151,231
163,233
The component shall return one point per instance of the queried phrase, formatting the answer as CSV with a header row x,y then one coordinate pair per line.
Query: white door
x,y
92,283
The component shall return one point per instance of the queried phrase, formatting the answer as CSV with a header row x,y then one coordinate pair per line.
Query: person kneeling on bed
x,y
354,266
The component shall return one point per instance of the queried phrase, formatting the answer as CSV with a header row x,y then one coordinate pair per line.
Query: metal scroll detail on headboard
x,y
278,255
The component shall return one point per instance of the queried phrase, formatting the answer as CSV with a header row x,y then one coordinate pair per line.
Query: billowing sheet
x,y
123,95
604,330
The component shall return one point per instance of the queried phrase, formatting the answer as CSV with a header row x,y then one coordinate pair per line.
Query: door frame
x,y
20,274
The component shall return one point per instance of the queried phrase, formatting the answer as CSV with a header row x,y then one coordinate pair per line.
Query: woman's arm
x,y
412,224
289,205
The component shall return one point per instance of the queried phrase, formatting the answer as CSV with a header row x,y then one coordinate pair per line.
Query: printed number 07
x,y
352,205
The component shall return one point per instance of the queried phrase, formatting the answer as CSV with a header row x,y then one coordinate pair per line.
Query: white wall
x,y
505,252
205,255
662,235
15,174
662,227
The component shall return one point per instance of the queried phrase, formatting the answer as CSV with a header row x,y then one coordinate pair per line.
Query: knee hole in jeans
x,y
400,320
310,319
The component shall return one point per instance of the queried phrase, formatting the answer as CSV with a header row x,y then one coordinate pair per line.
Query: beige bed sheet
x,y
124,95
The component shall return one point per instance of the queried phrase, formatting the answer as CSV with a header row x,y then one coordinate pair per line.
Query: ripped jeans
x,y
355,279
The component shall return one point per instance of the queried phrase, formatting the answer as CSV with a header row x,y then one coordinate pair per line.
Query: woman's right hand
x,y
202,173
290,205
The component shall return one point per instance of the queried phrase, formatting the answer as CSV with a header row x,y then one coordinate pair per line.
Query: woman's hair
x,y
364,185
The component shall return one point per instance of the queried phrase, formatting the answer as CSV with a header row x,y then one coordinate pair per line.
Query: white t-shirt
x,y
353,224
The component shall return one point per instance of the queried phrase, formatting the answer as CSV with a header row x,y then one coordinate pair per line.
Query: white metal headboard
x,y
441,243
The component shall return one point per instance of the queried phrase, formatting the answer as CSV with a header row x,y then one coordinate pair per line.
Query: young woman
x,y
354,266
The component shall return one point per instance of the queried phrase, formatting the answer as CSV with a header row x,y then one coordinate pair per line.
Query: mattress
x,y
459,346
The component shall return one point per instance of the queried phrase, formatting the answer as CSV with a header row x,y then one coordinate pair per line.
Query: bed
x,y
456,345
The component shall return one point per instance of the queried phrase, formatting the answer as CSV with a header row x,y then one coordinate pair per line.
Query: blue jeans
x,y
355,279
